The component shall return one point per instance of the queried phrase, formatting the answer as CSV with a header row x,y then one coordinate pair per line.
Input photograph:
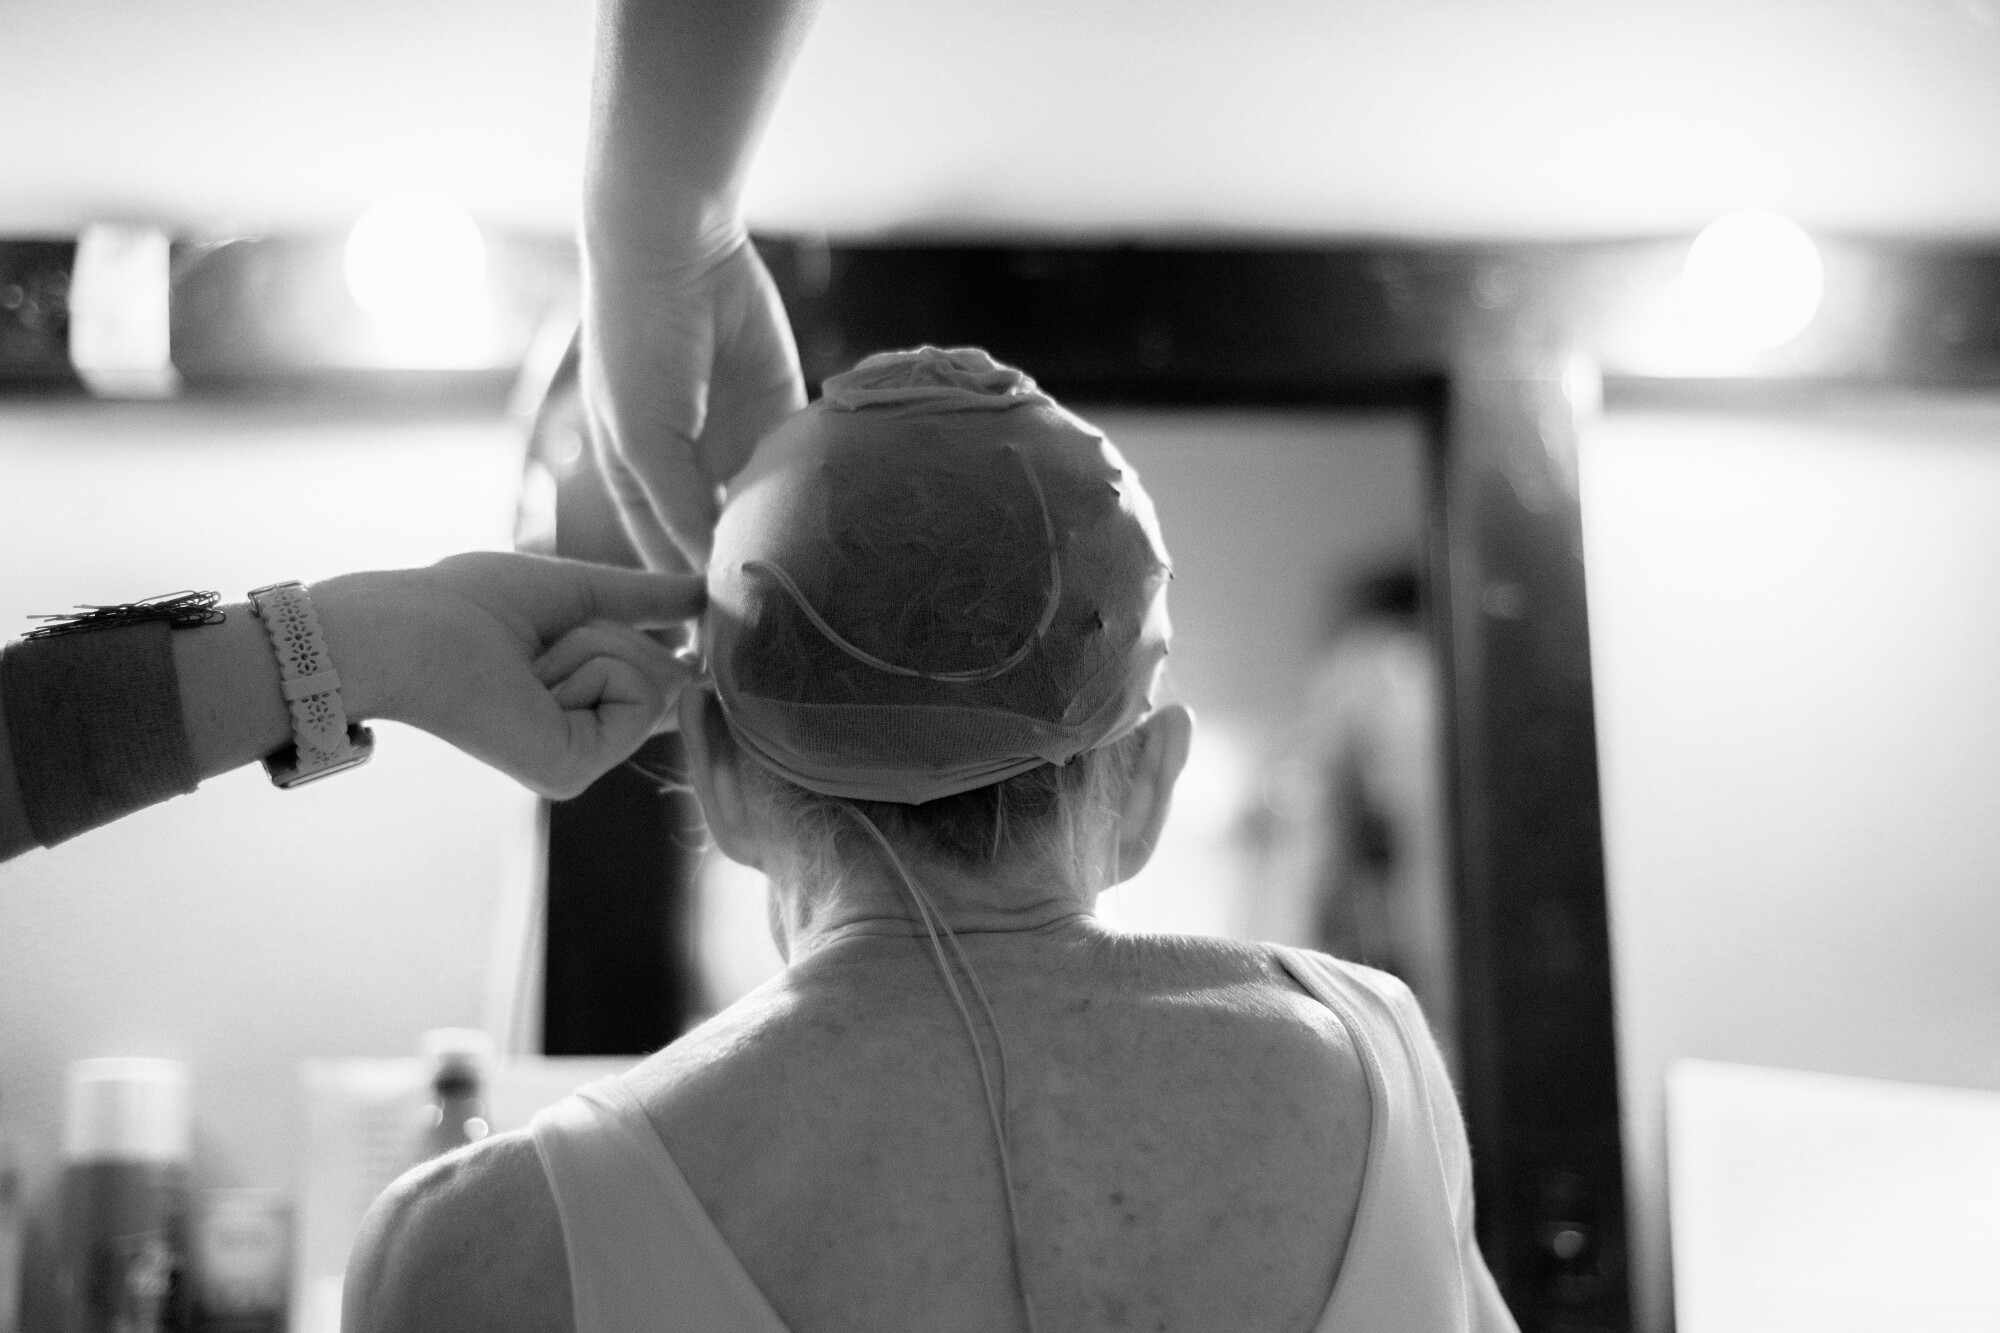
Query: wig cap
x,y
933,579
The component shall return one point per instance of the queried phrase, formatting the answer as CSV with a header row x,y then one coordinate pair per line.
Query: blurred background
x,y
286,291
1435,117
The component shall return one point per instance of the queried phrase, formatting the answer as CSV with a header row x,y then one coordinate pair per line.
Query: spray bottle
x,y
122,1264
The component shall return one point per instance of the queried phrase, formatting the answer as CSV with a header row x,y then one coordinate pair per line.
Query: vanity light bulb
x,y
1752,281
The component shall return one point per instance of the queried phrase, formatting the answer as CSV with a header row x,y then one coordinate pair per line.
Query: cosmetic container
x,y
122,1254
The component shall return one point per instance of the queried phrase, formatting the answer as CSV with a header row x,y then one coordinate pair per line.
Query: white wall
x,y
243,928
1795,626
1454,117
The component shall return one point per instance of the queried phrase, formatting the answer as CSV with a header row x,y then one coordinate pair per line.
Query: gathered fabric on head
x,y
933,579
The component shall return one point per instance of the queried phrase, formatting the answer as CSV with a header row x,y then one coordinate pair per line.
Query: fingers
x,y
647,406
660,479
680,390
614,687
609,708
649,535
757,379
605,638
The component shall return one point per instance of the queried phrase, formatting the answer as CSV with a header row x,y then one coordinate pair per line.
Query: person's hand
x,y
534,665
686,365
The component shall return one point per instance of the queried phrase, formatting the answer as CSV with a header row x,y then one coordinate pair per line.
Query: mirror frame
x,y
1348,329
1491,347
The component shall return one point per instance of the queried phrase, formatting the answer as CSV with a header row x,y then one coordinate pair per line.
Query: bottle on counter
x,y
242,1260
456,1115
122,1257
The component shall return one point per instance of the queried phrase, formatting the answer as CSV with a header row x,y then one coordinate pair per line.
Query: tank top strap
x,y
1405,1267
643,1254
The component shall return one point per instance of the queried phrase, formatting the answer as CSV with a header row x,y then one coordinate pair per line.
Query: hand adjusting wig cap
x,y
933,579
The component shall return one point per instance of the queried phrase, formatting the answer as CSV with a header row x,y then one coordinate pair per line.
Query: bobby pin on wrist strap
x,y
325,742
179,610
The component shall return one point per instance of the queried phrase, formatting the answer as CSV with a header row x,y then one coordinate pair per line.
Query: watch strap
x,y
323,740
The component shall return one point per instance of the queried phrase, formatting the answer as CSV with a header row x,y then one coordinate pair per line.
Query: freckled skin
x,y
1141,1191
1189,1132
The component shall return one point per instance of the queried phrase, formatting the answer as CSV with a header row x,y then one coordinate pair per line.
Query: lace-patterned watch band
x,y
323,741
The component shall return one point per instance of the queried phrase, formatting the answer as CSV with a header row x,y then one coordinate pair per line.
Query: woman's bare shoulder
x,y
1210,965
742,1034
468,1241
1254,1010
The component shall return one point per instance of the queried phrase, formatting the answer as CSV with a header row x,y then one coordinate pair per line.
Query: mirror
x,y
1311,810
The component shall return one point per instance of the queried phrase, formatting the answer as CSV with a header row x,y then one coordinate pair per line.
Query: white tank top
x,y
643,1254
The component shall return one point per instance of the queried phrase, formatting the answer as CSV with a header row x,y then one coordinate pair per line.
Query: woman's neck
x,y
871,898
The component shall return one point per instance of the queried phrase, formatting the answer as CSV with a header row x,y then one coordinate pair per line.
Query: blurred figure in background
x,y
1352,833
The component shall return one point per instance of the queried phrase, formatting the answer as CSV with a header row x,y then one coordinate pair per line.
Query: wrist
x,y
354,612
638,237
231,702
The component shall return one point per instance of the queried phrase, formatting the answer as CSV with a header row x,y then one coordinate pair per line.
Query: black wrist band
x,y
94,721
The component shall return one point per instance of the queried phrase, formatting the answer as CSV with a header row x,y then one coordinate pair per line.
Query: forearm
x,y
535,666
16,836
681,91
231,709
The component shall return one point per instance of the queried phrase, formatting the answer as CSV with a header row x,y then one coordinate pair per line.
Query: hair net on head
x,y
933,579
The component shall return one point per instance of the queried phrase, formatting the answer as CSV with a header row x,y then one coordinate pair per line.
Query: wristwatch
x,y
324,742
